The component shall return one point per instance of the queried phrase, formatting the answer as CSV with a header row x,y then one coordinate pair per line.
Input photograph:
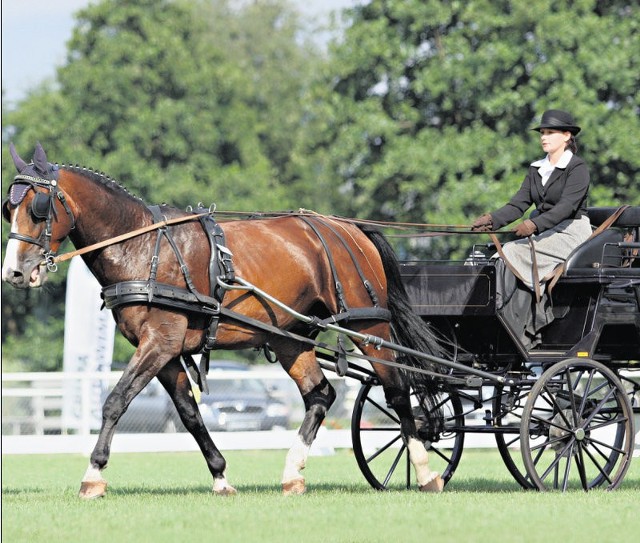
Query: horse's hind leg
x,y
300,363
176,382
396,391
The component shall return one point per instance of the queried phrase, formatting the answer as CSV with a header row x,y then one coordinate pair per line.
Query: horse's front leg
x,y
318,395
176,382
150,356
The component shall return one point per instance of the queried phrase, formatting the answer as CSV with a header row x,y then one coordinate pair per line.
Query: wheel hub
x,y
561,433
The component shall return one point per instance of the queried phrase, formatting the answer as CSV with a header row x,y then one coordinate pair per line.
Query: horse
x,y
297,259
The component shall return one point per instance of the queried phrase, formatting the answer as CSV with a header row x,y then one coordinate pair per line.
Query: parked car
x,y
239,402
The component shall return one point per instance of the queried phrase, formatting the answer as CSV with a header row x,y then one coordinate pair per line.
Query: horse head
x,y
40,219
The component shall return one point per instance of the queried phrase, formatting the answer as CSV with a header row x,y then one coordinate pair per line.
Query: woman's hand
x,y
525,229
484,223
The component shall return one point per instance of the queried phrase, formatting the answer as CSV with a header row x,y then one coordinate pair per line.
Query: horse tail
x,y
407,328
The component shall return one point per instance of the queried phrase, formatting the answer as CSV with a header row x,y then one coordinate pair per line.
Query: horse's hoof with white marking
x,y
225,491
296,487
435,485
89,490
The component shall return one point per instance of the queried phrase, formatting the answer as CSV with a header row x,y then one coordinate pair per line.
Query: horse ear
x,y
20,164
40,159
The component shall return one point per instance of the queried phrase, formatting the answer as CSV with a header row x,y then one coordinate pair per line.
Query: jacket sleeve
x,y
574,191
516,207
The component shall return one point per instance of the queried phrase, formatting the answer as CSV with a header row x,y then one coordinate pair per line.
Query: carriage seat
x,y
594,252
604,252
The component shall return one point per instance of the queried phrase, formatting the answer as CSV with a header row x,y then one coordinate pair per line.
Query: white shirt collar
x,y
562,163
545,168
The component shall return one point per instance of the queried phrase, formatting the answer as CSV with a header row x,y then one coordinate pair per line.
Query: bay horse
x,y
296,260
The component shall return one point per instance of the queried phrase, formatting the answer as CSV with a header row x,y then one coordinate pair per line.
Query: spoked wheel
x,y
579,425
382,456
508,405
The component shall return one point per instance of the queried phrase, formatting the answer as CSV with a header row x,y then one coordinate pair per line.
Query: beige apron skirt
x,y
552,247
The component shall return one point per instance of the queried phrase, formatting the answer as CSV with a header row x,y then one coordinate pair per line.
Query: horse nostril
x,y
14,276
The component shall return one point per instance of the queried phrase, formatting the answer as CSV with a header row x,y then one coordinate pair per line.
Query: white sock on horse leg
x,y
296,460
92,474
420,460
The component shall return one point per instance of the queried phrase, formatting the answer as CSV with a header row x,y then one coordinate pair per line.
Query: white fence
x,y
37,417
34,418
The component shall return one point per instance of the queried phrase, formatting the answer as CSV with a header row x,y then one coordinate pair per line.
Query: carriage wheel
x,y
580,428
508,404
382,456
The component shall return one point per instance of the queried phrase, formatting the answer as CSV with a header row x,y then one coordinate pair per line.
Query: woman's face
x,y
553,140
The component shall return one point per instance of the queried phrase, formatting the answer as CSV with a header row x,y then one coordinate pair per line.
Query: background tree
x,y
420,112
424,110
181,102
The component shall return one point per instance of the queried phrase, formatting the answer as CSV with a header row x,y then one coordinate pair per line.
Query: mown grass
x,y
167,497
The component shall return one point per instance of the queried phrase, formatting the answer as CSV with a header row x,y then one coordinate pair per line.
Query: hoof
x,y
293,488
225,491
90,490
435,485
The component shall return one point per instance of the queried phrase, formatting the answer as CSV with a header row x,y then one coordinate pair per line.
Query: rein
x,y
445,229
128,235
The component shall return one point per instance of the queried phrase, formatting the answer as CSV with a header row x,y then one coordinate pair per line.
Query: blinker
x,y
40,205
6,214
17,192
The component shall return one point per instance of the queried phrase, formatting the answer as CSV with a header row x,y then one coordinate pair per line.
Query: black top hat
x,y
556,119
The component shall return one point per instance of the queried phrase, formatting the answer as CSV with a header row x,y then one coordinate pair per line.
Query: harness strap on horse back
x,y
222,278
342,304
366,283
220,266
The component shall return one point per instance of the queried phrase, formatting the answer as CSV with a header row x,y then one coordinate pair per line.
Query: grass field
x,y
167,497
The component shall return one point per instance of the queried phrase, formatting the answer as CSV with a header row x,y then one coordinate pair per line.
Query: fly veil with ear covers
x,y
40,174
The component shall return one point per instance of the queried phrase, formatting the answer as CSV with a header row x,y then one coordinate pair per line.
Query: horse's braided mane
x,y
99,177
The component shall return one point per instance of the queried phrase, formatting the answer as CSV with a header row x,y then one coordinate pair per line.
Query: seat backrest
x,y
630,217
594,253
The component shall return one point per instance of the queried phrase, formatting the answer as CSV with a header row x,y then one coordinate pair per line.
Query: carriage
x,y
437,357
569,400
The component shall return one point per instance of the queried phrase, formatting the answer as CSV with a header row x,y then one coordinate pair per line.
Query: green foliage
x,y
419,113
180,101
38,348
424,110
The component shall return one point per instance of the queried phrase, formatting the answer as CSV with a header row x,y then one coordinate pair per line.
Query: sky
x,y
35,33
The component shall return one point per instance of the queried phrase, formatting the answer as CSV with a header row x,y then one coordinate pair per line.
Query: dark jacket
x,y
563,197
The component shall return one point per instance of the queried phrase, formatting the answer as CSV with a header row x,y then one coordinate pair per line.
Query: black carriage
x,y
561,413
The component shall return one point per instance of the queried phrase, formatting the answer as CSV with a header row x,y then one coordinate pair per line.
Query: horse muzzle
x,y
28,275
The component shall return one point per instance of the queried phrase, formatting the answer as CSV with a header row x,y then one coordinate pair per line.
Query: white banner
x,y
88,347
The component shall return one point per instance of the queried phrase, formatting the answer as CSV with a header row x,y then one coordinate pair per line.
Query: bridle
x,y
42,208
